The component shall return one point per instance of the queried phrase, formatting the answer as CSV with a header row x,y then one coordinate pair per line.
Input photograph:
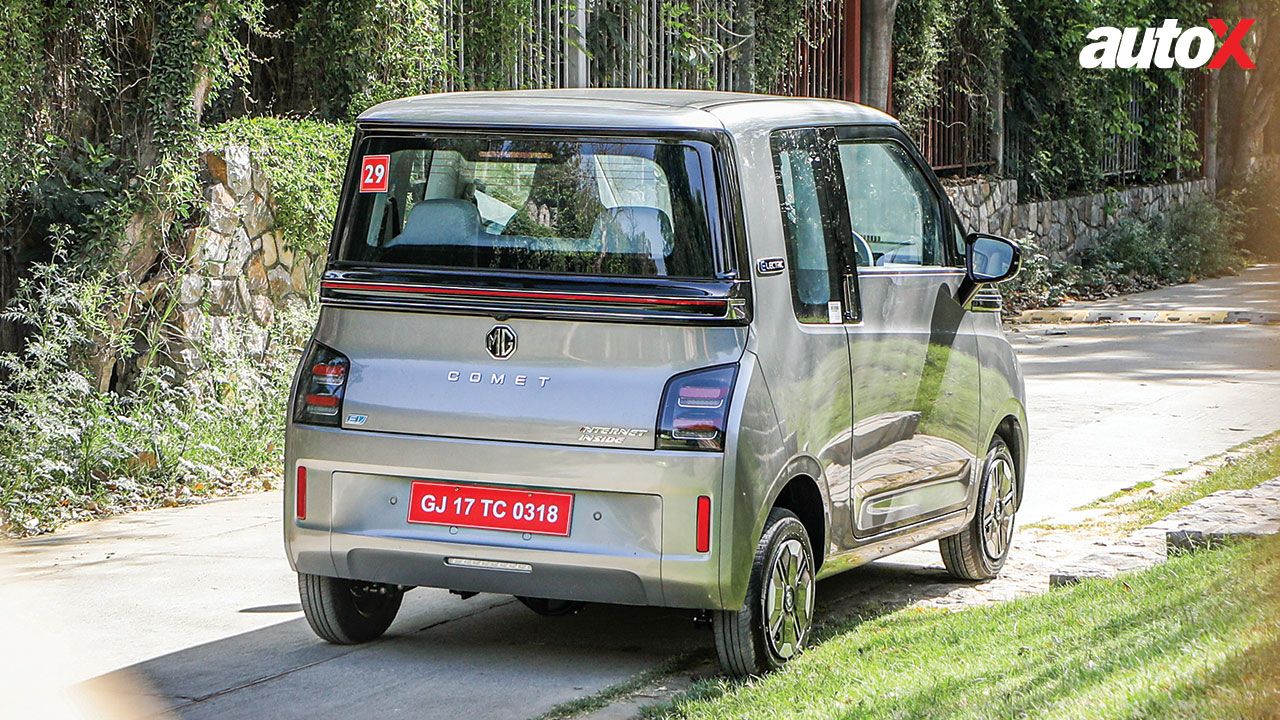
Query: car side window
x,y
895,216
813,257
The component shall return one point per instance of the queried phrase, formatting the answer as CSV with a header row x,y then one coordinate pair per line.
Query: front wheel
x,y
978,552
777,615
348,612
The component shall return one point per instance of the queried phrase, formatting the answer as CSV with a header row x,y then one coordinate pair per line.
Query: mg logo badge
x,y
500,342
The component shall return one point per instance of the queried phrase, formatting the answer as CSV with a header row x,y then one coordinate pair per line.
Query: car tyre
x,y
980,550
777,614
552,608
348,612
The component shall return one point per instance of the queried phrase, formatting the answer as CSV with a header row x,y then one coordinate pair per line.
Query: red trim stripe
x,y
517,294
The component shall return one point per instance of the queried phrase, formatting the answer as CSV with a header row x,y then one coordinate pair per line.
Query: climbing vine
x,y
776,28
1064,124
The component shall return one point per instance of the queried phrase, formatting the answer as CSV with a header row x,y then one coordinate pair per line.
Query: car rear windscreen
x,y
636,208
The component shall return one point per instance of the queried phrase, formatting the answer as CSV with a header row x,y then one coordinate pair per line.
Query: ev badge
x,y
770,266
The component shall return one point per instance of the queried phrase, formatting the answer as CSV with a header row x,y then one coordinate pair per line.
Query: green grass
x,y
1126,513
1123,511
1196,637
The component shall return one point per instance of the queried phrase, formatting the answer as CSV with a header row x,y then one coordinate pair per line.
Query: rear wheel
x,y
979,551
551,608
348,612
774,622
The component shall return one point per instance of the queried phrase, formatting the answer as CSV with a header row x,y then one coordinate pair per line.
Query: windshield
x,y
601,207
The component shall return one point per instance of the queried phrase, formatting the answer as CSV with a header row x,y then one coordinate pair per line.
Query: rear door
x,y
913,351
808,350
528,287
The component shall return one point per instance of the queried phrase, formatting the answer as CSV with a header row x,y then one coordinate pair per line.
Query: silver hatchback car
x,y
685,349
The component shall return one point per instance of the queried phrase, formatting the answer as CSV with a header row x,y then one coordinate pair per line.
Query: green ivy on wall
x,y
304,160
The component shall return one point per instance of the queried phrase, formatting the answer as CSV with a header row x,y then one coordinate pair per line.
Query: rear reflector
x,y
300,490
703,528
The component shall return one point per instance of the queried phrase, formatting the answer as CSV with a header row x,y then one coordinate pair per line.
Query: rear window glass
x,y
602,207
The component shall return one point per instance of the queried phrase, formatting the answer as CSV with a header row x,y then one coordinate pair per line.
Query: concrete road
x,y
194,610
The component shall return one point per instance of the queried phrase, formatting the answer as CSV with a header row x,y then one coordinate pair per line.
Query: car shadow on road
x,y
484,657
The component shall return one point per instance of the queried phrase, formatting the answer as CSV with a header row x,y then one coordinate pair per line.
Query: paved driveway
x,y
194,609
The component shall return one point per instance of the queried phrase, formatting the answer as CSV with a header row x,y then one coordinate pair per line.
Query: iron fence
x,y
958,134
821,60
641,43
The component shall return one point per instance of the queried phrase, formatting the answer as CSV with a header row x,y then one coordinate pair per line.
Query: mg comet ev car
x,y
685,349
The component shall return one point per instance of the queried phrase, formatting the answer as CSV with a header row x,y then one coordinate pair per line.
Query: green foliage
x,y
495,36
20,48
970,34
1043,281
1200,239
695,46
920,30
352,54
1197,240
776,27
1063,120
100,103
70,450
1260,198
304,161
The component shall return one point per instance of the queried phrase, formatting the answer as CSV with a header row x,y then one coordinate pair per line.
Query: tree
x,y
1247,99
877,51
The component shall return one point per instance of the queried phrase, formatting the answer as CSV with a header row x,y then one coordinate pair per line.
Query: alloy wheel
x,y
998,508
788,599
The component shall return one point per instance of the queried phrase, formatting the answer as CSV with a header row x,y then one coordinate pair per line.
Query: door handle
x,y
849,291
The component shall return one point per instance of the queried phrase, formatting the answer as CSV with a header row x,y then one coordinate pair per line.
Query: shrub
x,y
1199,239
69,449
1260,200
305,160
1042,282
1196,240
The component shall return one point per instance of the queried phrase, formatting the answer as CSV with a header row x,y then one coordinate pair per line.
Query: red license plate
x,y
490,508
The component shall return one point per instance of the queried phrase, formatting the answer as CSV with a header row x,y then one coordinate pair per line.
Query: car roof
x,y
615,109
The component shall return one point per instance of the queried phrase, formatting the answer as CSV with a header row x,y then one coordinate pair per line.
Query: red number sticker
x,y
373,173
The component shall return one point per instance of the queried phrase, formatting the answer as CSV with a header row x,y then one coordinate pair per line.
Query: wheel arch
x,y
1011,428
802,495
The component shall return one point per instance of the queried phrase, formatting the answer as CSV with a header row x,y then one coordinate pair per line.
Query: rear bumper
x,y
632,538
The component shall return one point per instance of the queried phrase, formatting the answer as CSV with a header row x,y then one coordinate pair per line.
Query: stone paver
x,y
1225,516
1216,518
1141,550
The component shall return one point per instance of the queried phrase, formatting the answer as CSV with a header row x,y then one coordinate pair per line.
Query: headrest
x,y
442,221
635,230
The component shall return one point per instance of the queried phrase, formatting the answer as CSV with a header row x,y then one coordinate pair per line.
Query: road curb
x,y
1202,317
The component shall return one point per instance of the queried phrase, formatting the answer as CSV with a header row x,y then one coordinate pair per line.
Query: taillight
x,y
318,398
695,410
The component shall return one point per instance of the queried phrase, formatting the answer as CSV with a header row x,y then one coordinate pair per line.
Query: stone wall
x,y
1063,227
239,267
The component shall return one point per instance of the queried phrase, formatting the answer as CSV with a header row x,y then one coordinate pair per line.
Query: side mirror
x,y
988,259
